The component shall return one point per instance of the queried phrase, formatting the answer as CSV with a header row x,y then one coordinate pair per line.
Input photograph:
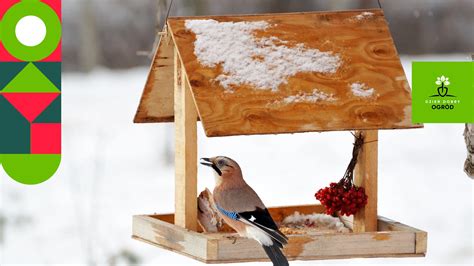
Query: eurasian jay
x,y
243,210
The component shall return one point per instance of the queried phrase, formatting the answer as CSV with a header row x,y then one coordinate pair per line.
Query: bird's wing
x,y
261,219
244,205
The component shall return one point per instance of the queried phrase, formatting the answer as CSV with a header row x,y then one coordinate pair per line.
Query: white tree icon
x,y
442,80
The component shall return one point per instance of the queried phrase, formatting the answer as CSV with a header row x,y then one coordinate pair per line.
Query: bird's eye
x,y
220,163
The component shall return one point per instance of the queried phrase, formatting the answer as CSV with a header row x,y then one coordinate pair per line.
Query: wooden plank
x,y
157,101
328,245
398,243
311,258
365,220
185,151
385,224
421,242
366,176
318,246
166,247
169,217
368,56
169,236
421,237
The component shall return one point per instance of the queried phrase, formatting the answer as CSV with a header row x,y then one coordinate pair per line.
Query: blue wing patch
x,y
231,215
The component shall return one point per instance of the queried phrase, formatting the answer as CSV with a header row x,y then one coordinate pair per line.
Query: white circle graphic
x,y
30,31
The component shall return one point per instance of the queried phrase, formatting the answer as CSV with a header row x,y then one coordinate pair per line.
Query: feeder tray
x,y
180,89
392,239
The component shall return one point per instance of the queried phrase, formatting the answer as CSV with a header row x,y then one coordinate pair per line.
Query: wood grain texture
x,y
421,242
169,236
368,55
325,245
185,151
366,171
157,101
392,240
421,237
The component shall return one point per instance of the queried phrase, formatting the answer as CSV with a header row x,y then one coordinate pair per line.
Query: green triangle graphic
x,y
52,70
8,71
30,79
52,114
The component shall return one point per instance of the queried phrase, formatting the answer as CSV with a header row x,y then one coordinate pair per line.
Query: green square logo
x,y
443,92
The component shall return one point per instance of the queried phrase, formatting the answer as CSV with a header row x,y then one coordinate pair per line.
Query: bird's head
x,y
224,167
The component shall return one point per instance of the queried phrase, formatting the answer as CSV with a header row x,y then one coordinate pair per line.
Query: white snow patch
x,y
264,63
364,15
313,97
361,90
316,220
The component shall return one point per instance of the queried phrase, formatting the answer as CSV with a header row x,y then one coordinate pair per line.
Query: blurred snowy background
x,y
112,169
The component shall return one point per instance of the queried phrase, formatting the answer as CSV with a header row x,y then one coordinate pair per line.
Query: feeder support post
x,y
365,220
185,149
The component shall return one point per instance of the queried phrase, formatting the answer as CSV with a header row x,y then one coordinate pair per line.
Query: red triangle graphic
x,y
30,105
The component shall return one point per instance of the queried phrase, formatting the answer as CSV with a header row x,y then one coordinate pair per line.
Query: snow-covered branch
x,y
469,138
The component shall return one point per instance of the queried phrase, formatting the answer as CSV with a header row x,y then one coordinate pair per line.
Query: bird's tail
x,y
276,255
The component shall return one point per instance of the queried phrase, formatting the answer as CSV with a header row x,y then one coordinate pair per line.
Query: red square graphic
x,y
46,138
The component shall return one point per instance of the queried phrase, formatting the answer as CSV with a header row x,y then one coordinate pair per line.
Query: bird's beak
x,y
206,162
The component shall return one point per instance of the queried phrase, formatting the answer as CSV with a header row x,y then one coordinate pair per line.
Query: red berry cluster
x,y
338,197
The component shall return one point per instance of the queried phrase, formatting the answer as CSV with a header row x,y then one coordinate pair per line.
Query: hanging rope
x,y
380,5
169,9
347,180
160,31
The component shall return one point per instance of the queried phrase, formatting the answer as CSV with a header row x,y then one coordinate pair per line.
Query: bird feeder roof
x,y
282,73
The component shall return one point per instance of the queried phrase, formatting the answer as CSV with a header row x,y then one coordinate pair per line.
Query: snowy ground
x,y
112,169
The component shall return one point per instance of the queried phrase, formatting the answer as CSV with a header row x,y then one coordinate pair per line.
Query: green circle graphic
x,y
10,40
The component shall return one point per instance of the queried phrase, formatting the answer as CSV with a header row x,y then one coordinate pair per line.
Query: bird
x,y
243,210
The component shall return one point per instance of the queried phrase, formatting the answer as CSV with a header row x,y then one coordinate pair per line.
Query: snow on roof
x,y
264,63
361,90
364,15
313,97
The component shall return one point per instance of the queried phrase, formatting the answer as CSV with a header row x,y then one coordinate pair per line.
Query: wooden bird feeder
x,y
182,89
